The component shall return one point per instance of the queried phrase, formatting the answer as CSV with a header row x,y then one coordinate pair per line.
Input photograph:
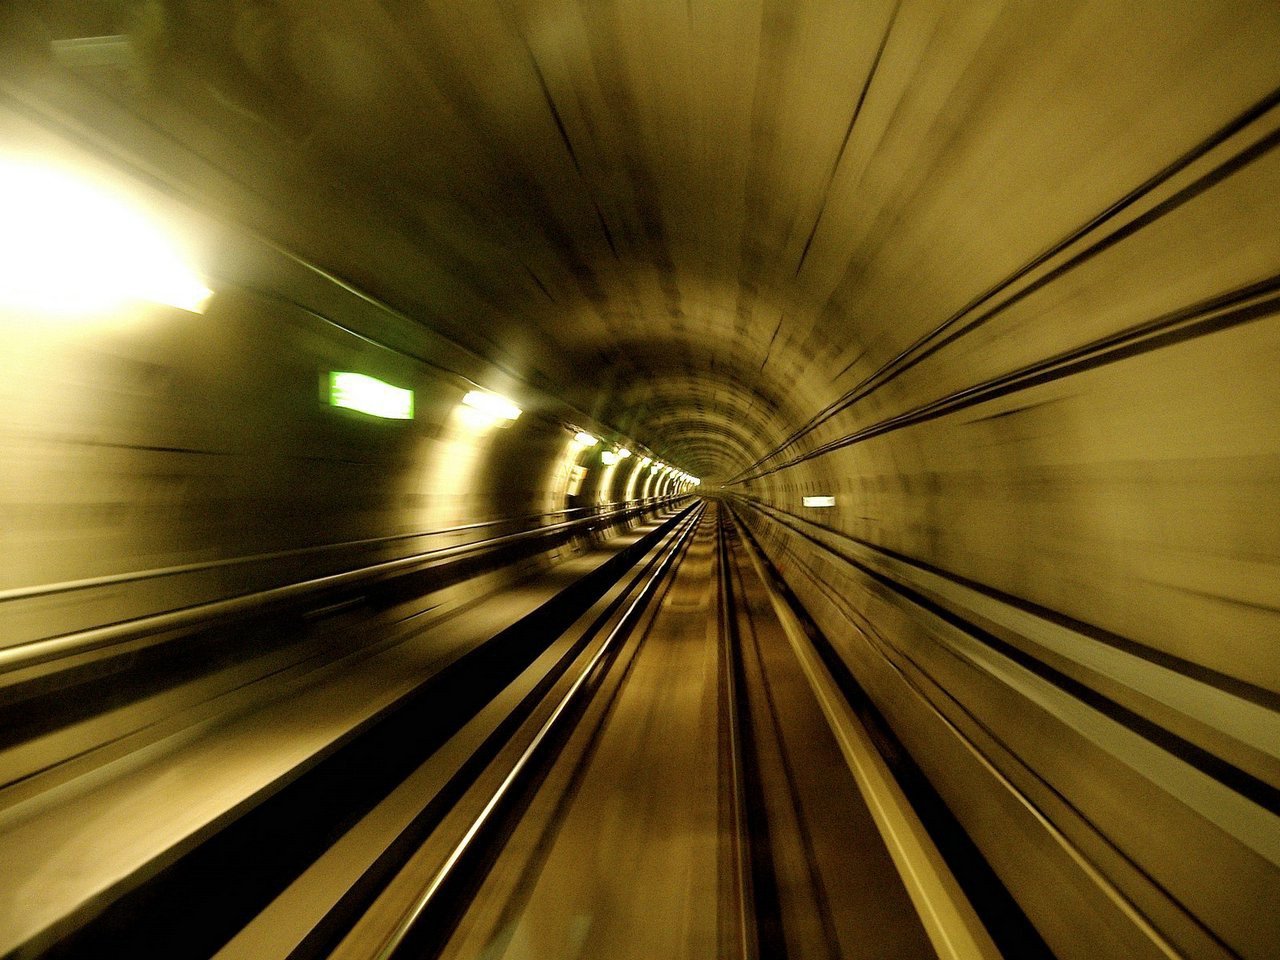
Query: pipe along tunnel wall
x,y
1053,446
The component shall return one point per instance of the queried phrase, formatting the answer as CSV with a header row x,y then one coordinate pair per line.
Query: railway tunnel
x,y
640,478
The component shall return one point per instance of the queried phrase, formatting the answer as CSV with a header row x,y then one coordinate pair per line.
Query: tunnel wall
x,y
204,445
156,459
1052,562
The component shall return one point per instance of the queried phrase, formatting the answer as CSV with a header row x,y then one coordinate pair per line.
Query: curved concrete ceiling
x,y
705,223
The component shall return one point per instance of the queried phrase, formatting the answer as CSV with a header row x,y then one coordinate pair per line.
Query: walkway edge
x,y
949,919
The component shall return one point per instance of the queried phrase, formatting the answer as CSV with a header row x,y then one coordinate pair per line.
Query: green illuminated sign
x,y
355,391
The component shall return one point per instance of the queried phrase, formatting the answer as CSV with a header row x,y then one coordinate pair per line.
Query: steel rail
x,y
411,917
748,937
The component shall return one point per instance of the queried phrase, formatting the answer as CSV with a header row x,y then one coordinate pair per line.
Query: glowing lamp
x,y
355,391
492,405
70,246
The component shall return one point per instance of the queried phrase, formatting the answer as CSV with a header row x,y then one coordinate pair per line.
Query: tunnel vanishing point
x,y
640,478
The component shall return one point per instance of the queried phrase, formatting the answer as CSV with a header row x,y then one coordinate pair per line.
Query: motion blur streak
x,y
964,318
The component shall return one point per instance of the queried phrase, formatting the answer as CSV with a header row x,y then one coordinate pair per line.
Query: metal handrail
x,y
32,652
137,576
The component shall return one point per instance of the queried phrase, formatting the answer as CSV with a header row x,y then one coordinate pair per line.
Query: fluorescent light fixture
x,y
655,468
645,461
623,453
355,391
584,439
499,408
71,246
609,458
819,501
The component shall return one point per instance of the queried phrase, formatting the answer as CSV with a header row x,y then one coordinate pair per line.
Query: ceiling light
x,y
584,439
71,246
499,408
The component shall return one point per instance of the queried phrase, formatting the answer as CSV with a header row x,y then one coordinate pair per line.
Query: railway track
x,y
653,762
